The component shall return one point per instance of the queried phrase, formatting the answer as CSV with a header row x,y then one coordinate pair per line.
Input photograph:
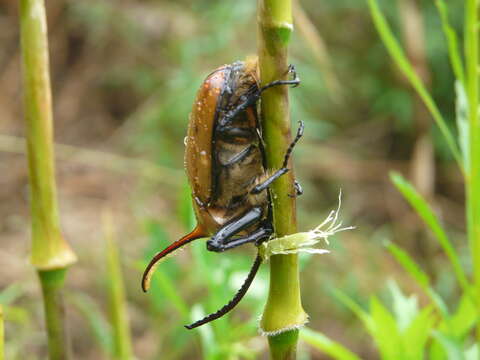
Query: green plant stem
x,y
284,345
283,312
49,250
473,174
116,295
2,334
52,283
51,254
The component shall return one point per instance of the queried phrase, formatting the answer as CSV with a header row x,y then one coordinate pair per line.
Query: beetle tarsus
x,y
235,300
283,170
294,82
298,190
300,129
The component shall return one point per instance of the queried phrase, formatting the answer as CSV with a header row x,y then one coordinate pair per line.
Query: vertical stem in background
x,y
51,254
116,295
2,350
283,312
422,163
473,169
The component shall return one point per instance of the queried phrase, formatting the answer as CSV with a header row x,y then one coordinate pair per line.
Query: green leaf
x,y
354,307
326,345
386,333
450,345
428,216
452,41
416,335
10,294
463,125
418,275
405,308
207,337
409,265
98,323
464,318
472,353
398,56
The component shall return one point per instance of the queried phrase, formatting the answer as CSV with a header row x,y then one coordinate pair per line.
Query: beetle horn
x,y
197,233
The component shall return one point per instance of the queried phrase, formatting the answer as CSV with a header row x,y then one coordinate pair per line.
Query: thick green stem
x,y
283,312
284,346
51,254
49,250
52,283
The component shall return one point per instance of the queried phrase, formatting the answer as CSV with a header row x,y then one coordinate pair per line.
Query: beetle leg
x,y
252,97
239,156
298,189
236,299
258,236
295,81
283,170
222,240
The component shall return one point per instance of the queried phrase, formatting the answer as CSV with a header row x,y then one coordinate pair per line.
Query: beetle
x,y
226,168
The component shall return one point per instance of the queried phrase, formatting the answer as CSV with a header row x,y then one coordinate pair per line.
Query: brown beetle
x,y
226,168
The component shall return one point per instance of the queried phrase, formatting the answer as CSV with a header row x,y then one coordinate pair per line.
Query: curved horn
x,y
197,233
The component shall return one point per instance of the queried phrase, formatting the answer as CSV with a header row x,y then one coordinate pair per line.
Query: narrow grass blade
x,y
425,212
409,265
99,327
452,41
418,275
354,307
451,346
463,125
116,294
326,345
2,350
207,337
399,57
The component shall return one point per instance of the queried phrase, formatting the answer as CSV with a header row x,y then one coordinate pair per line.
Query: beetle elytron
x,y
226,168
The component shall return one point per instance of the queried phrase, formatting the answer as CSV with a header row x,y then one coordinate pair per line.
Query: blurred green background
x,y
124,75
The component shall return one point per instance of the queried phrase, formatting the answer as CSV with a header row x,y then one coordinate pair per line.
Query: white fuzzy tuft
x,y
280,331
304,241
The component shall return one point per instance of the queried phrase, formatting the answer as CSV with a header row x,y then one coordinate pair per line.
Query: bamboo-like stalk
x,y
283,313
116,295
51,254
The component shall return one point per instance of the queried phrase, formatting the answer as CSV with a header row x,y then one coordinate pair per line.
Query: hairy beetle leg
x,y
236,299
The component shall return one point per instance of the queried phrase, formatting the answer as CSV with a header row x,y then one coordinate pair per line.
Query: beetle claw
x,y
298,190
